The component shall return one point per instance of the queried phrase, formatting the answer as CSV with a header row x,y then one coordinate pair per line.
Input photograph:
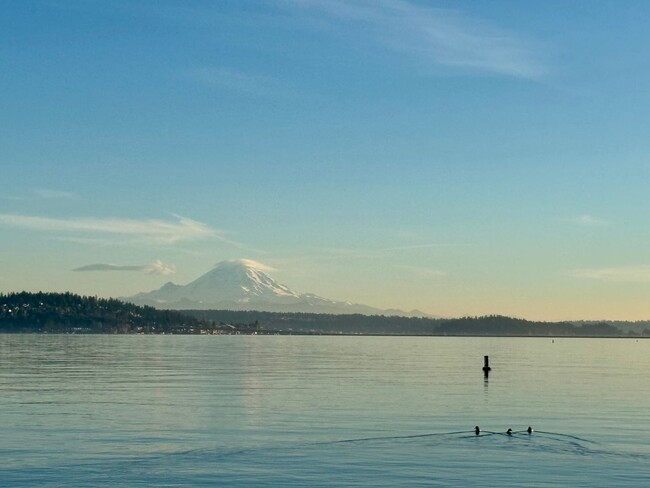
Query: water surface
x,y
322,411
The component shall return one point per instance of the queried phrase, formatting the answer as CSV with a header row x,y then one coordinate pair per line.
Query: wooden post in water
x,y
486,366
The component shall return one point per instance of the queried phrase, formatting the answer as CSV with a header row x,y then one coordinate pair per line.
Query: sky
x,y
456,157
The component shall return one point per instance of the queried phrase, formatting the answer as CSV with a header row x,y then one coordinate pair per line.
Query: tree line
x,y
67,312
489,325
70,313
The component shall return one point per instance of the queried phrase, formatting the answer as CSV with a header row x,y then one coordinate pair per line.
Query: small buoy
x,y
486,366
477,430
509,432
529,429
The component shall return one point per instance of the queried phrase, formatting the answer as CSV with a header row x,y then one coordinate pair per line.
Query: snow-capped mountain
x,y
243,284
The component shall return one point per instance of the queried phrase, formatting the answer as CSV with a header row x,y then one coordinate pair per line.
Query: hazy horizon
x,y
458,158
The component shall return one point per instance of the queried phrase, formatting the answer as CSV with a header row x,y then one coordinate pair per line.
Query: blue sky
x,y
457,157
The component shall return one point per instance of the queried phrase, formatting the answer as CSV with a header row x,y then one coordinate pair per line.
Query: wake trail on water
x,y
460,434
388,438
557,434
223,454
542,442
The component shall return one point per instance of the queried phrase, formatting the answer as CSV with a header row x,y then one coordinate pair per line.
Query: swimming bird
x,y
477,430
529,429
509,432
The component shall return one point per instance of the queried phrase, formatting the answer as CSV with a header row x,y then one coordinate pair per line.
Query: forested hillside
x,y
67,312
491,325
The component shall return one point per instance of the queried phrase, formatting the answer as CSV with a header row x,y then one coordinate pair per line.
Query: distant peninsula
x,y
26,312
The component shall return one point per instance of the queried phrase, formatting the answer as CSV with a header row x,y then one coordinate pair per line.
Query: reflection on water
x,y
310,411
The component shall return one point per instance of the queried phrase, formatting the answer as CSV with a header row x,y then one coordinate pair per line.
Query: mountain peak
x,y
240,281
244,284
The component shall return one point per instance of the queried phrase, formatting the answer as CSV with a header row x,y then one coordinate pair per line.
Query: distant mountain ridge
x,y
243,284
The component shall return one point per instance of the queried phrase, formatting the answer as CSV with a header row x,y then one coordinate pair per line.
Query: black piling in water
x,y
486,366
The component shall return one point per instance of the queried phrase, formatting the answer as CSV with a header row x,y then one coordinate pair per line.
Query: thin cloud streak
x,y
587,220
250,262
375,253
622,274
432,35
339,255
42,194
155,268
92,241
149,231
242,83
422,271
49,194
422,246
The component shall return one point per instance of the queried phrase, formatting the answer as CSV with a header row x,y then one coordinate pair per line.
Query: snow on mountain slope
x,y
243,284
240,280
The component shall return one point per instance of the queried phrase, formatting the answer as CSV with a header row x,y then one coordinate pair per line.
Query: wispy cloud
x,y
422,271
157,267
148,231
43,194
414,247
245,84
375,253
587,220
328,256
432,35
250,262
50,194
631,274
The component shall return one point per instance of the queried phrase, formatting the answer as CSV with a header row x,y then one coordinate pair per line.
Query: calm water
x,y
322,411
